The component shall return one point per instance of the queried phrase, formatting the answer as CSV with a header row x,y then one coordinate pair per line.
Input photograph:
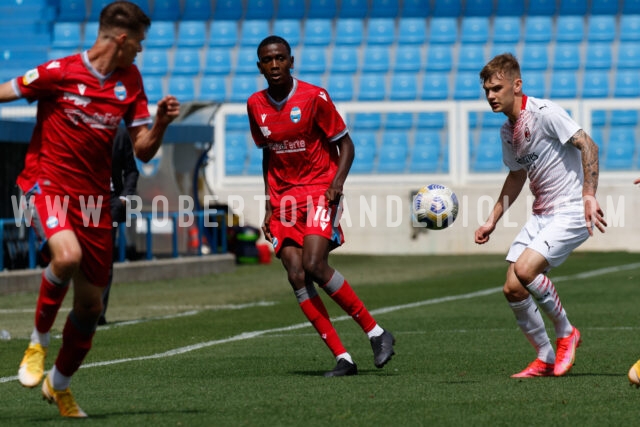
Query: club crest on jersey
x,y
52,222
30,76
527,133
296,114
120,91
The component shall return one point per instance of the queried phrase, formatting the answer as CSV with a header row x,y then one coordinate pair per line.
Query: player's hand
x,y
637,181
593,215
265,227
483,233
333,195
168,109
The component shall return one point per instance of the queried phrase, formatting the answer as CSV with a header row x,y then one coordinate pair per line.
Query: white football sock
x,y
345,356
40,338
375,332
59,381
532,325
548,300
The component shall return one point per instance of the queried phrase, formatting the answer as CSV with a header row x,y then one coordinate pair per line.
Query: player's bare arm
x,y
637,181
7,93
347,153
510,191
147,141
268,210
594,215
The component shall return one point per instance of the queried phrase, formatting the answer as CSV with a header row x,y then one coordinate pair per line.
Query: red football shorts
x,y
293,221
52,211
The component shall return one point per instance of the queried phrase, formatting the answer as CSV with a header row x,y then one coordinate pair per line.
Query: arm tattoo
x,y
589,150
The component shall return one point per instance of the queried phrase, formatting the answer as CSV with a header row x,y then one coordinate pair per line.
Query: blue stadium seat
x,y
430,120
153,88
598,117
289,29
246,60
424,160
399,120
408,58
506,29
199,10
488,159
364,159
470,57
95,7
372,87
604,7
23,58
365,139
627,84
443,30
238,140
598,56
369,121
392,160
566,56
155,62
624,118
227,10
499,48
349,32
317,32
630,28
448,8
253,31
435,86
223,34
573,7
569,29
415,8
534,84
213,88
630,7
597,135
340,87
191,33
595,84
312,78
255,162
165,10
66,35
538,29
186,62
620,148
474,29
161,34
535,57
404,87
384,9
323,9
90,34
601,28
344,59
491,122
541,8
242,87
217,61
380,31
429,138
376,59
509,8
182,87
72,11
234,160
412,30
467,86
236,122
563,85
353,9
439,58
628,55
478,8
259,9
58,53
313,60
291,9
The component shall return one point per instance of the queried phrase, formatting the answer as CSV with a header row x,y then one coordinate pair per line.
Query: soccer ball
x,y
435,207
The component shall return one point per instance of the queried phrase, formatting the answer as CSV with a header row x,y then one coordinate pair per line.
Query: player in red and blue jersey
x,y
307,154
82,99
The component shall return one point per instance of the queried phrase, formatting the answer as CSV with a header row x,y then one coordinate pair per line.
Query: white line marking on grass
x,y
249,335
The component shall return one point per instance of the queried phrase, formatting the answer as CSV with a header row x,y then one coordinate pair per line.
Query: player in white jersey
x,y
541,142
634,372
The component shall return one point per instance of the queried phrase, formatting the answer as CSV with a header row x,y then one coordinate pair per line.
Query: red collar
x,y
524,102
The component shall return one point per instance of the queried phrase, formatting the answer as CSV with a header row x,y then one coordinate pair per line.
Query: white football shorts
x,y
553,236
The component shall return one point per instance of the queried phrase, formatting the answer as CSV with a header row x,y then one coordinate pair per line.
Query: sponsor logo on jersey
x,y
80,101
120,91
52,222
527,159
30,76
265,131
296,114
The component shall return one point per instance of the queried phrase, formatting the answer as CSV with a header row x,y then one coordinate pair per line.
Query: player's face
x,y
500,92
275,64
130,47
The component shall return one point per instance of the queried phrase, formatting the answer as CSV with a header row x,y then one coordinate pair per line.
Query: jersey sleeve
x,y
560,125
256,133
138,113
328,118
39,82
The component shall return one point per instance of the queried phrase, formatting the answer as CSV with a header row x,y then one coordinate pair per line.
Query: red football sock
x,y
346,298
317,314
75,346
49,301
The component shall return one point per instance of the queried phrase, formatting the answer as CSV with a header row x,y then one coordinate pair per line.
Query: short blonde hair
x,y
504,65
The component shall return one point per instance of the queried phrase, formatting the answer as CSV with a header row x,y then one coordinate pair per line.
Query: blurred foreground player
x,y
82,99
307,154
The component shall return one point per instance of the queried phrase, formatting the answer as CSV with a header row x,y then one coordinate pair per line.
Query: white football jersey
x,y
538,142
